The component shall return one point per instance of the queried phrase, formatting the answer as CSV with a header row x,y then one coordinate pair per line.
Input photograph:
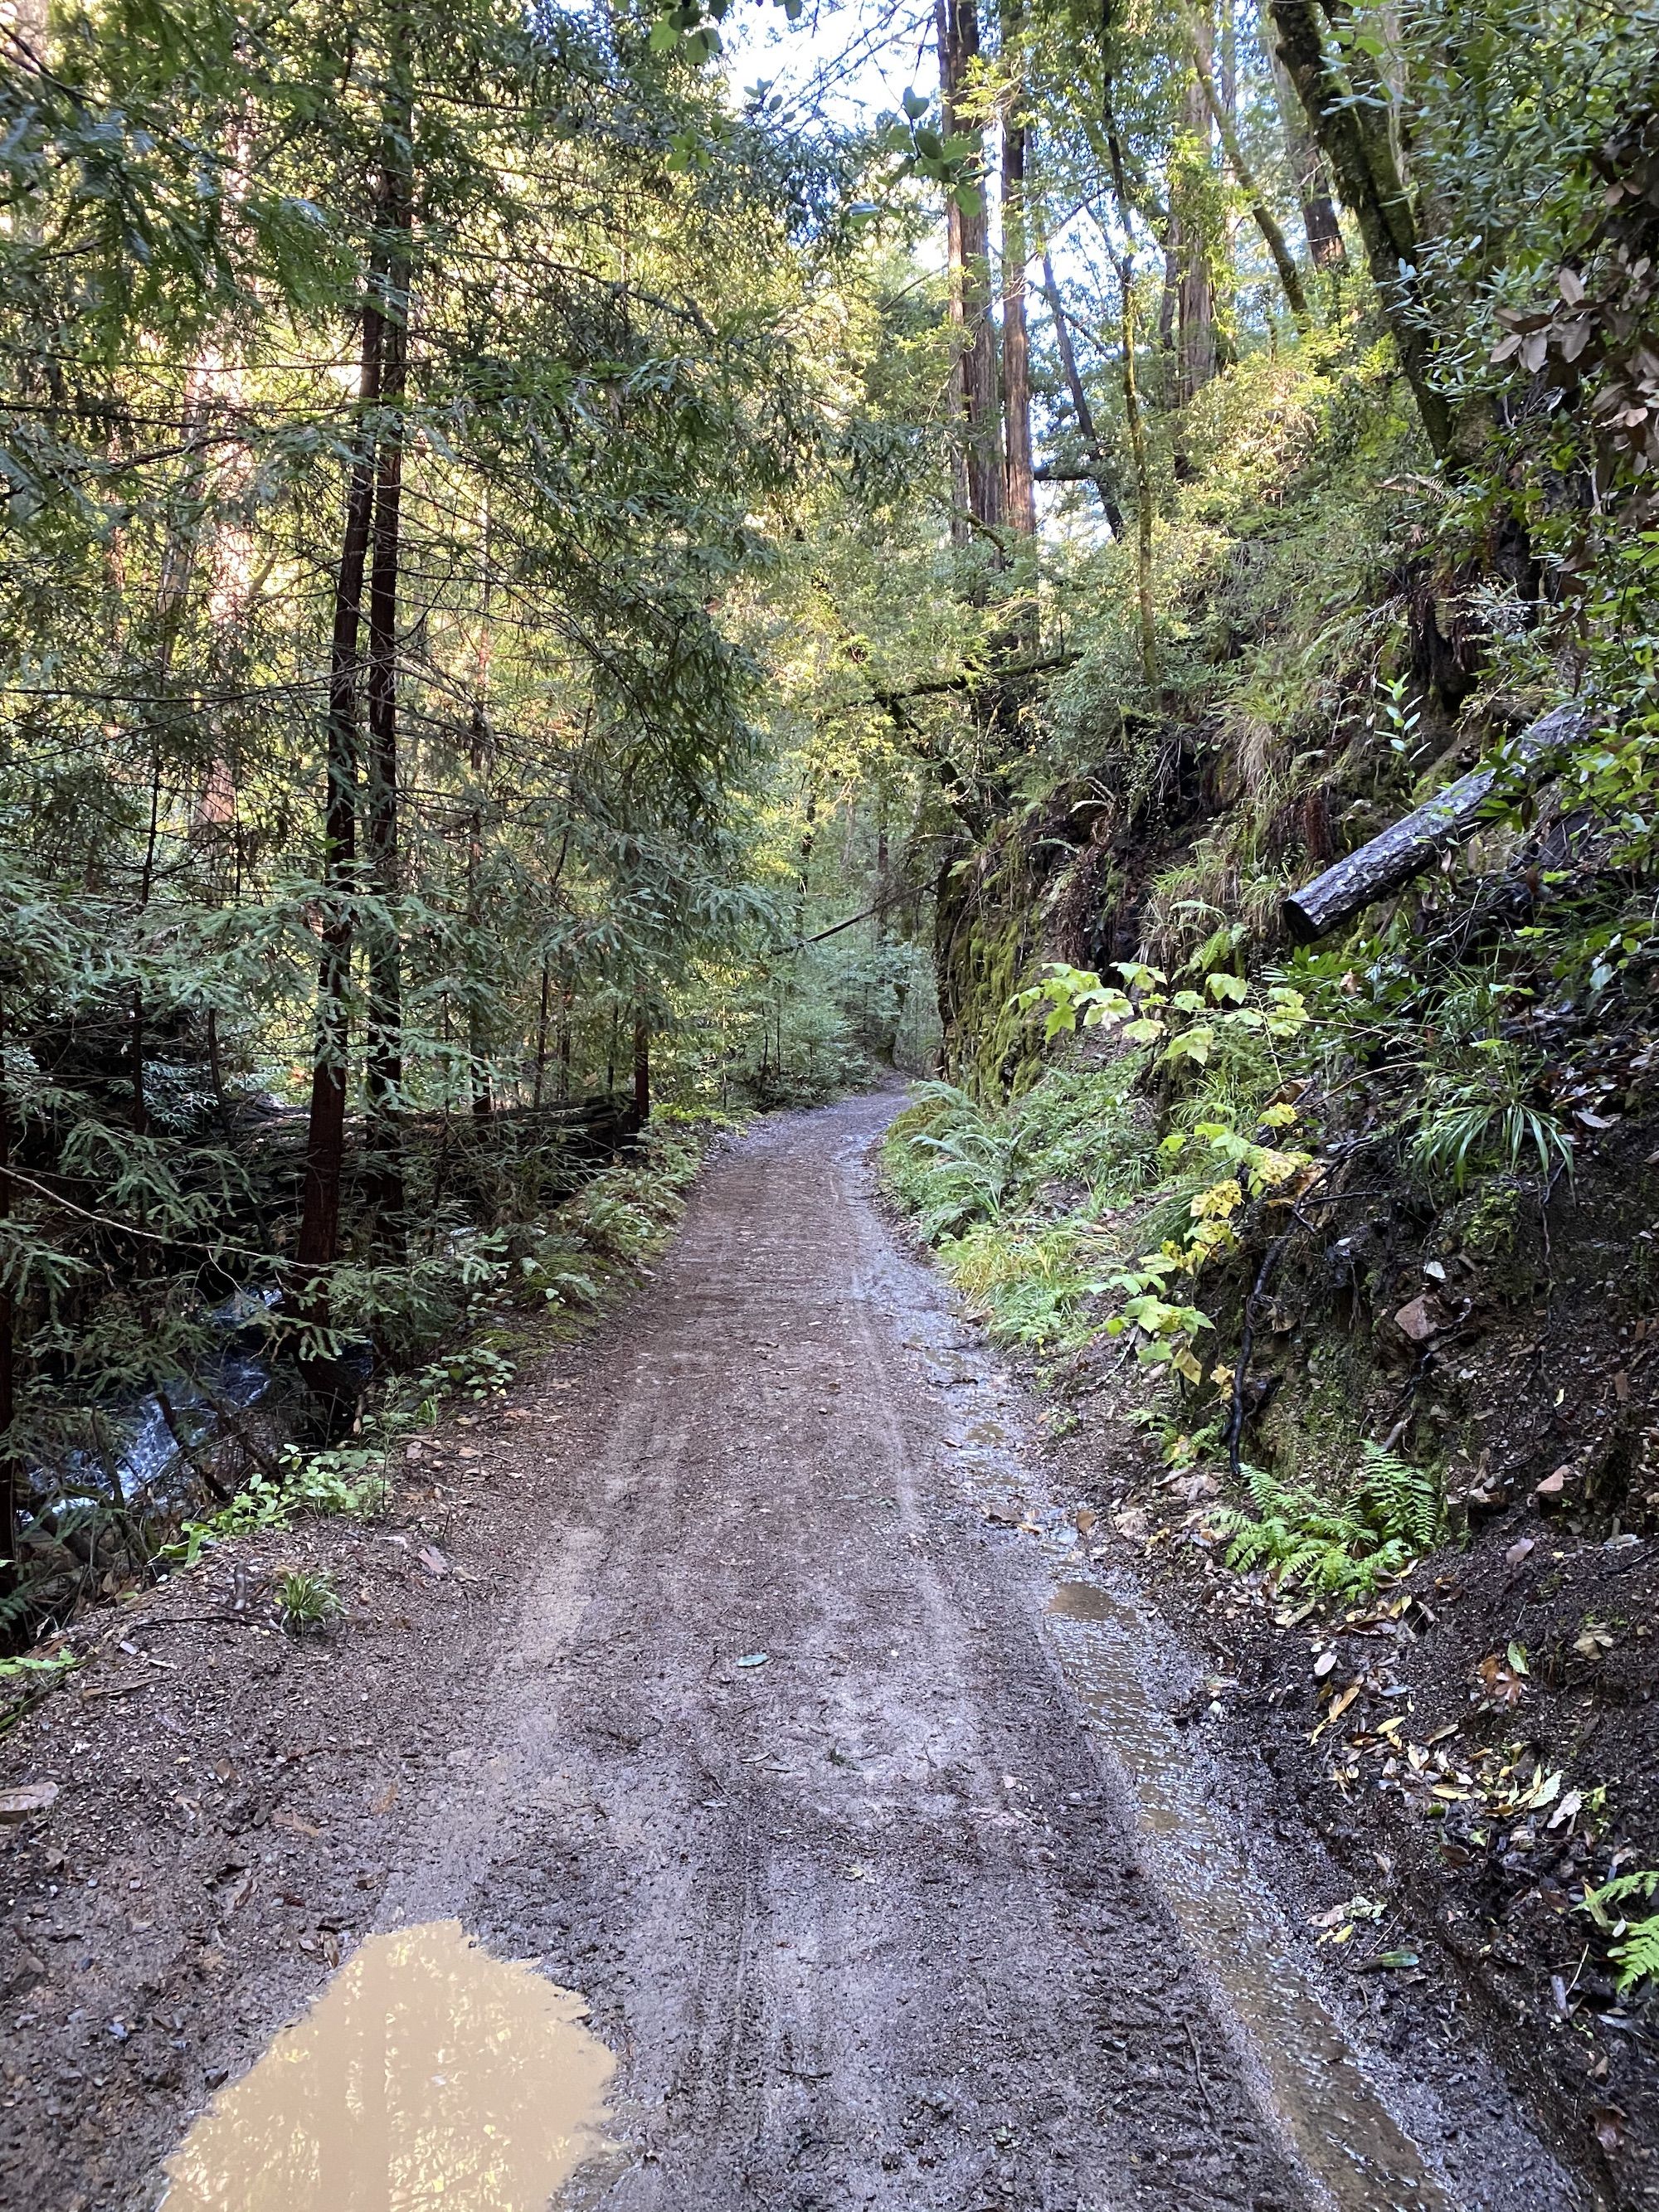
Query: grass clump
x,y
305,1602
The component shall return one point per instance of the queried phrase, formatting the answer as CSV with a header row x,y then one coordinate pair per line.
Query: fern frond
x,y
1638,1955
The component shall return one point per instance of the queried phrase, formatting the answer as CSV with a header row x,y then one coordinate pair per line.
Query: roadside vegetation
x,y
558,591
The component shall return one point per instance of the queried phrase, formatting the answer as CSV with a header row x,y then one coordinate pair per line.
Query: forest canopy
x,y
543,580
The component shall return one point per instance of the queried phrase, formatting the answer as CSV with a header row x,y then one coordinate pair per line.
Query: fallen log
x,y
1415,842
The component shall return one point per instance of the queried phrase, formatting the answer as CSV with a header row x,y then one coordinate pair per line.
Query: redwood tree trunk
x,y
1020,491
8,1354
974,380
384,1070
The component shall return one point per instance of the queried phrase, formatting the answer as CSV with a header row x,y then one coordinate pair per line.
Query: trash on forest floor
x,y
754,1659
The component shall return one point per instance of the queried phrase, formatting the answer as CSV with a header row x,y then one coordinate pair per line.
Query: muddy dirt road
x,y
854,1817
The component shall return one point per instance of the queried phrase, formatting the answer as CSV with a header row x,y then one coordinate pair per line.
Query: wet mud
x,y
802,1739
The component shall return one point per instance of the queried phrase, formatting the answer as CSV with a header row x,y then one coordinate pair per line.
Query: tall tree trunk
x,y
808,839
478,1041
1196,287
1313,185
641,1070
962,528
8,1349
319,1221
1290,276
974,389
1080,407
1352,133
541,1035
1137,428
1019,489
384,1070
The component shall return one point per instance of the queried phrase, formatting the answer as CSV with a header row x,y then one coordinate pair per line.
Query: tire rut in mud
x,y
740,1721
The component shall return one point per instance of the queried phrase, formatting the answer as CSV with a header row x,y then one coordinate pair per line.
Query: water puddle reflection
x,y
427,2072
1340,2128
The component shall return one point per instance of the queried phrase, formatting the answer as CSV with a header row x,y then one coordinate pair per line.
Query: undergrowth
x,y
595,1242
1348,1547
1020,1203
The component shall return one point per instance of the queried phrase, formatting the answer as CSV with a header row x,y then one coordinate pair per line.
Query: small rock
x,y
1421,1319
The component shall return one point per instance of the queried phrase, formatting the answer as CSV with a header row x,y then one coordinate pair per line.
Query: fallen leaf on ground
x,y
1564,1811
433,1559
1420,1320
1610,2127
1006,1516
1517,1552
296,1827
26,1799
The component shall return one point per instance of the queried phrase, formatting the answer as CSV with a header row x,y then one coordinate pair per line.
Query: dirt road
x,y
730,1709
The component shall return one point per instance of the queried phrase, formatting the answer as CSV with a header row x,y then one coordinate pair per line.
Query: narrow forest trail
x,y
875,1919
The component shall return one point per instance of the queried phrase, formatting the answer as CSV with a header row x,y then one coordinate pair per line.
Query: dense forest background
x,y
546,586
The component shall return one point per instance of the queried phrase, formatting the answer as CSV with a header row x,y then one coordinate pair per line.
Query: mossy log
x,y
1414,843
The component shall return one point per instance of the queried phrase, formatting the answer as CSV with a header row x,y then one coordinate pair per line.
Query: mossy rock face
x,y
989,947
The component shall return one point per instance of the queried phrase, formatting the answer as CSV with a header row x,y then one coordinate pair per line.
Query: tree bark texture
x,y
1353,135
383,1070
1414,843
977,422
319,1219
8,1351
1020,492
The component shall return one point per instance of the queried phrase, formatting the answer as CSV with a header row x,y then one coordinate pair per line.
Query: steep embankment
x,y
1427,1586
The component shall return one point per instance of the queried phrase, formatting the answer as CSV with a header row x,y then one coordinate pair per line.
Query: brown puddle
x,y
427,2071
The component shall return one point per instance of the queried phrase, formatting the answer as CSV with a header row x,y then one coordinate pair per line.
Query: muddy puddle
x,y
426,2073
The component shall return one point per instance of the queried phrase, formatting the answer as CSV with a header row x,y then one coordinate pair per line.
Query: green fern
x,y
1346,1548
1636,1953
1400,1500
